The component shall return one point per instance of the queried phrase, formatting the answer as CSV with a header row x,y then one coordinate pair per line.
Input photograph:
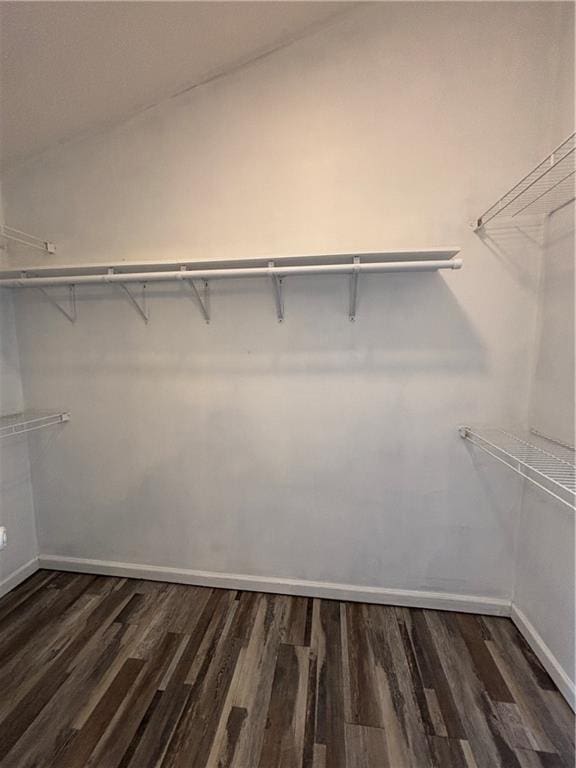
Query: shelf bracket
x,y
70,312
204,300
278,297
140,306
354,290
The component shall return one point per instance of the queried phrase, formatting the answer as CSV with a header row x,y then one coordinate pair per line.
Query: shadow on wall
x,y
518,248
404,323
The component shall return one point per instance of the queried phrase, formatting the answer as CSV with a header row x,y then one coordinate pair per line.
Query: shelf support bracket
x,y
204,300
278,297
354,290
140,306
70,312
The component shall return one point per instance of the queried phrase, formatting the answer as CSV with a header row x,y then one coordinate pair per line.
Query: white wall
x,y
16,498
316,449
545,575
552,411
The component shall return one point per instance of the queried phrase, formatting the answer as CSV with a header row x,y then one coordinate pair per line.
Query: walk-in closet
x,y
287,473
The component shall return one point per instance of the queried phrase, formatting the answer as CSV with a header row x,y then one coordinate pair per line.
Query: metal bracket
x,y
278,297
141,308
203,301
70,313
354,289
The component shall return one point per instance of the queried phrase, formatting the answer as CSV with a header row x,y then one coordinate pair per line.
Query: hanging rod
x,y
548,465
123,274
545,189
31,241
147,272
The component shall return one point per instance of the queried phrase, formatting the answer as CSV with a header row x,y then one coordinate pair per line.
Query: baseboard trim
x,y
547,659
408,598
18,576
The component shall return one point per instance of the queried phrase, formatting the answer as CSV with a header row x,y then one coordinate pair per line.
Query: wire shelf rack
x,y
547,188
274,269
31,241
29,421
545,463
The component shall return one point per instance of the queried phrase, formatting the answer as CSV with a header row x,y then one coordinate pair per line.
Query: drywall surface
x,y
315,449
545,577
553,389
16,498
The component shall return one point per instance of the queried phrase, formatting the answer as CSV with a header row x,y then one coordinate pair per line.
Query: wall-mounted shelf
x,y
31,241
29,421
547,188
275,269
543,462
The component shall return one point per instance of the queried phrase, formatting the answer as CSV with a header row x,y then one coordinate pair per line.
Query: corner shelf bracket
x,y
278,295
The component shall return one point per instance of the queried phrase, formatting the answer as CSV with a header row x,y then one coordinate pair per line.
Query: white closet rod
x,y
211,274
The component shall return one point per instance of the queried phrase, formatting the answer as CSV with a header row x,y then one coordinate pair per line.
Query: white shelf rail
x,y
29,421
274,269
547,188
543,462
31,241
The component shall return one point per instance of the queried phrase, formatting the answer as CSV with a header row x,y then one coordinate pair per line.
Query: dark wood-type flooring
x,y
117,673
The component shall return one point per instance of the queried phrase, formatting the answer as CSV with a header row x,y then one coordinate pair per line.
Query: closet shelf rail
x,y
547,188
275,269
543,462
31,241
29,421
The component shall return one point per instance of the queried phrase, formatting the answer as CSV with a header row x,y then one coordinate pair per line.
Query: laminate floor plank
x,y
532,698
283,744
482,728
366,747
24,591
254,676
107,672
331,705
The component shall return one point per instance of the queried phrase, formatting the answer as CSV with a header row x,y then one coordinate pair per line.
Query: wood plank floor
x,y
115,673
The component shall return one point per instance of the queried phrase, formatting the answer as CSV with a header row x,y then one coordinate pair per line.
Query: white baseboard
x,y
18,576
545,655
409,598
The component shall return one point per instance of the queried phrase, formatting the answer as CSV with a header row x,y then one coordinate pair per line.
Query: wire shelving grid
x,y
548,465
29,421
546,189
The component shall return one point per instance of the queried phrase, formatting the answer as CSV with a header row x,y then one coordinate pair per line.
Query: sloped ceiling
x,y
67,68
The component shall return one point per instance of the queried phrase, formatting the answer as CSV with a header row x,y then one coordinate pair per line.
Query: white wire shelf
x,y
545,463
275,269
547,188
29,421
30,241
